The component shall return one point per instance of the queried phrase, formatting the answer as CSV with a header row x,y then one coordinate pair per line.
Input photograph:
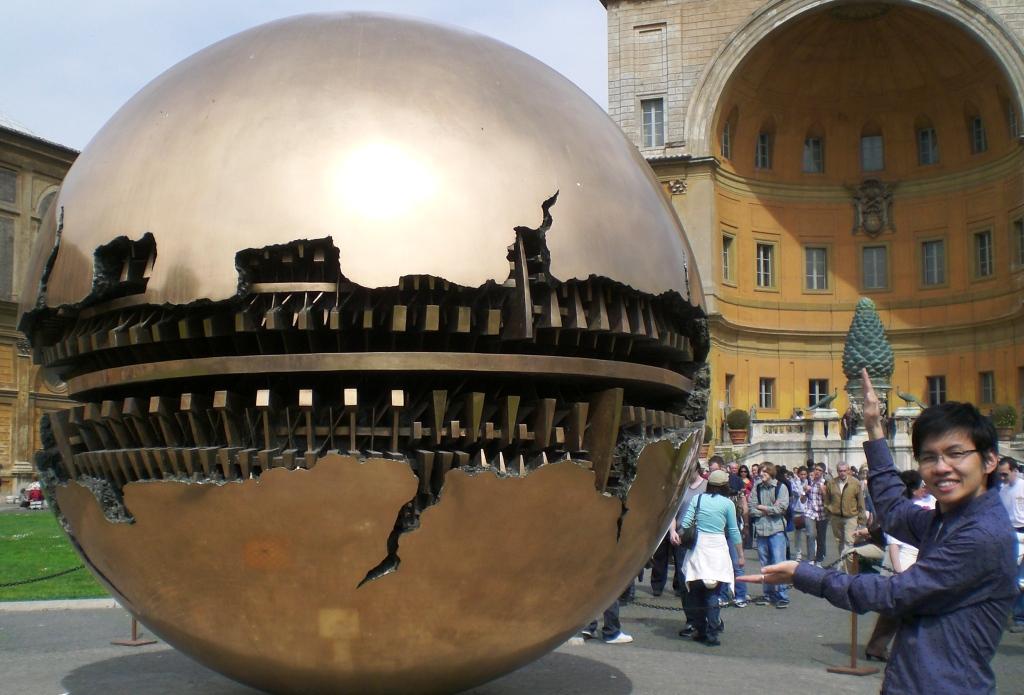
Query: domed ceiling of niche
x,y
873,55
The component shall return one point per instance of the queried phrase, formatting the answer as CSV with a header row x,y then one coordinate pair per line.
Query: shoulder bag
x,y
688,536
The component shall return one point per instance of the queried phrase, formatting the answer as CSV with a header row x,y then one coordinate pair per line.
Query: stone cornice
x,y
720,323
1001,169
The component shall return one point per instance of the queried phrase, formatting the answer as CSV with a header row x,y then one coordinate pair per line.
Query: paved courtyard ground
x,y
50,652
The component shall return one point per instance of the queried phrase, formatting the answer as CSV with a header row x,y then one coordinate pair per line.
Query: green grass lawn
x,y
32,544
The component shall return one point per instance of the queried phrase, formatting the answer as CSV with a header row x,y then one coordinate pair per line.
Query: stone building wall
x,y
31,170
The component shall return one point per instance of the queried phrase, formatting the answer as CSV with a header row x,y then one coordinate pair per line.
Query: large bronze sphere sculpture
x,y
389,354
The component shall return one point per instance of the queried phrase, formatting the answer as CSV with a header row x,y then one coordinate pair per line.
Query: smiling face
x,y
954,482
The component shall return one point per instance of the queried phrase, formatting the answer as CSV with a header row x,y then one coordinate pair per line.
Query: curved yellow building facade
x,y
821,152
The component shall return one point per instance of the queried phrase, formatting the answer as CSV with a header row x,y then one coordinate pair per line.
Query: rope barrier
x,y
22,582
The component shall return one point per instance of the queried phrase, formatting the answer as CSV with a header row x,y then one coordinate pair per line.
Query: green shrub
x,y
1004,416
738,420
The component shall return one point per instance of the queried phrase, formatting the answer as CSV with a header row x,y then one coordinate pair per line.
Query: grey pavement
x,y
55,651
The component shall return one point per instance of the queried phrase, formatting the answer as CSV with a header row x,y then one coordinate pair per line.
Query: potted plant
x,y
705,447
1004,417
738,422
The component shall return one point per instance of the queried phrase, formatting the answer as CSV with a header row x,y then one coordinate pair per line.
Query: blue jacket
x,y
952,603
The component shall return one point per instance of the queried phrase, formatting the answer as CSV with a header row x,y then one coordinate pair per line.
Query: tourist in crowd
x,y
953,602
865,495
845,506
696,485
799,497
748,486
611,630
815,517
735,481
748,483
1011,493
901,556
768,504
708,567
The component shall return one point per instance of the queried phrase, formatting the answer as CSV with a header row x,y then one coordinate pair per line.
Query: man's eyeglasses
x,y
950,457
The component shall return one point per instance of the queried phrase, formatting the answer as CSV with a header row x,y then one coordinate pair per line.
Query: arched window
x,y
872,148
45,200
764,145
814,151
728,132
1012,119
927,141
976,134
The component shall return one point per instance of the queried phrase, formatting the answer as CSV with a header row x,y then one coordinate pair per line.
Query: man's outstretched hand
x,y
872,408
781,573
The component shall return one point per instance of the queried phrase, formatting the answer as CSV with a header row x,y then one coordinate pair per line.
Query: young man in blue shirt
x,y
953,602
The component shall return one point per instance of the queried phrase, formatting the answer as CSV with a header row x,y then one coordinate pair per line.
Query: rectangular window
x,y
8,186
727,141
766,265
728,260
986,387
983,263
766,393
927,147
875,267
1017,230
763,151
979,140
872,153
814,156
816,390
654,122
729,380
816,268
6,258
936,390
933,262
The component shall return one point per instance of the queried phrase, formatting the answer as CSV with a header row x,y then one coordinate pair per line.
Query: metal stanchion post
x,y
853,669
134,641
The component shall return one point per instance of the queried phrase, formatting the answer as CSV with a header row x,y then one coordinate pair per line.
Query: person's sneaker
x,y
621,638
782,604
686,631
712,642
723,603
698,637
656,592
739,603
762,601
1017,628
587,633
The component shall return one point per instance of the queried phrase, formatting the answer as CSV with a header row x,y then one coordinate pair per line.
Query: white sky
x,y
67,65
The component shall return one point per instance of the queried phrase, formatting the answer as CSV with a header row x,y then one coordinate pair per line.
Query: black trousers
x,y
659,565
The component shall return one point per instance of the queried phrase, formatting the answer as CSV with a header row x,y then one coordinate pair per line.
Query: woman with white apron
x,y
708,565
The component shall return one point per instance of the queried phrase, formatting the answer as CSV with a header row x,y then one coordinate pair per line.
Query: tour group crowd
x,y
958,518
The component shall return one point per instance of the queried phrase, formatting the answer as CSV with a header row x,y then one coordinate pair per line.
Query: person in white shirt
x,y
1011,493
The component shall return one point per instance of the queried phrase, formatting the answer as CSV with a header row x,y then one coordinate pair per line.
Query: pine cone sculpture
x,y
866,345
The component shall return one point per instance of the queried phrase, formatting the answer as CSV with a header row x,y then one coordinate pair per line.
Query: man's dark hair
x,y
1014,466
717,459
937,420
912,479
